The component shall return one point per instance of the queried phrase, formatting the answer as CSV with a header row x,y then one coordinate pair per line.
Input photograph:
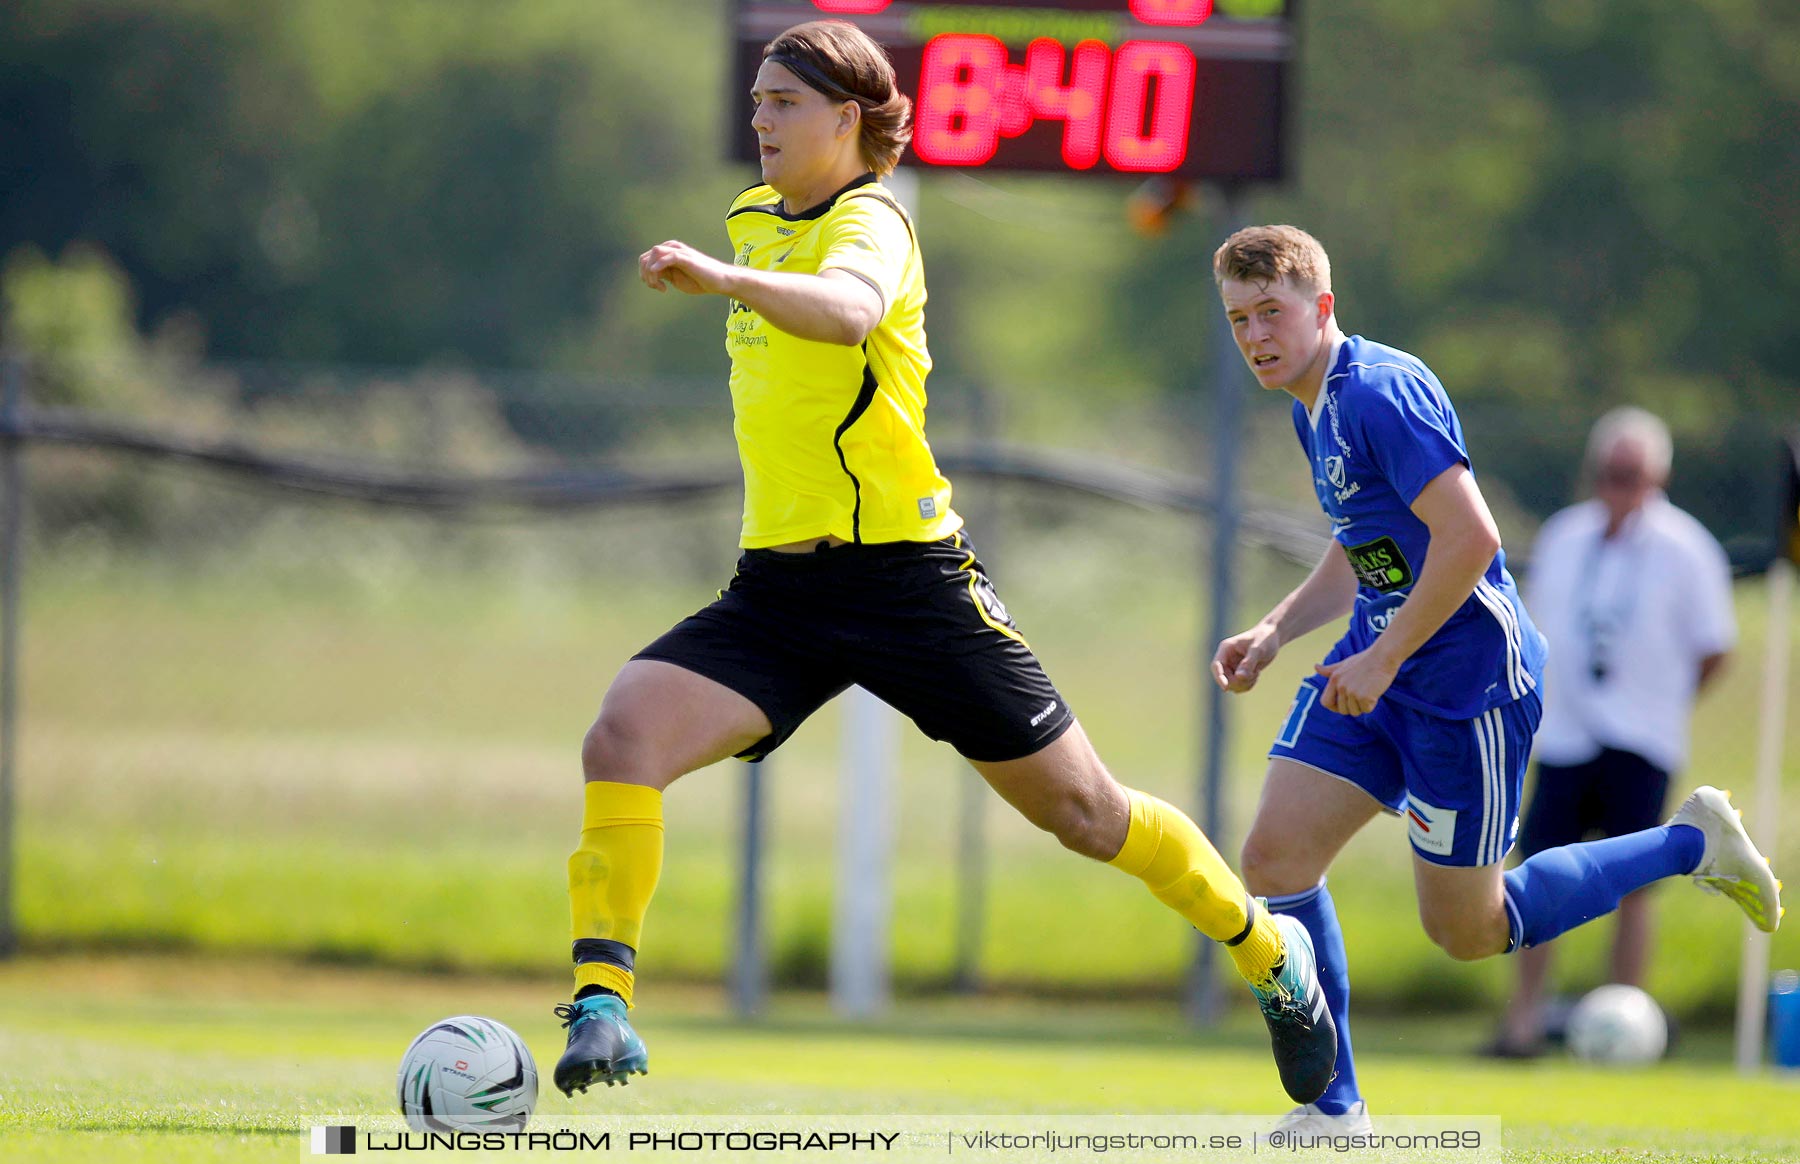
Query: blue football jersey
x,y
1381,430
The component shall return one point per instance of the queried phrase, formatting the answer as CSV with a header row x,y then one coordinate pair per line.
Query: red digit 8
x,y
1186,13
1164,146
957,122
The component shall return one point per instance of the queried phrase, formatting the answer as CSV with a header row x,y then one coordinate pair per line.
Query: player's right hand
x,y
1240,659
678,265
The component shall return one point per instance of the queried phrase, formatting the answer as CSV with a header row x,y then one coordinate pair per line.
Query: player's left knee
x,y
1077,827
1462,940
1081,823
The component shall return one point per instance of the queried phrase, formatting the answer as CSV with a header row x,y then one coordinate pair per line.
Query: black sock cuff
x,y
1250,908
603,950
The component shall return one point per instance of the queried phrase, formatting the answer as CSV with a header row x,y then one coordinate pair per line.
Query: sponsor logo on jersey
x,y
1380,565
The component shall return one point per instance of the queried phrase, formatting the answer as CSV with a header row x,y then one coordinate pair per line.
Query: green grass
x,y
184,1059
353,748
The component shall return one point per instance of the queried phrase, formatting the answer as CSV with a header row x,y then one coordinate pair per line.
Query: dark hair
x,y
839,60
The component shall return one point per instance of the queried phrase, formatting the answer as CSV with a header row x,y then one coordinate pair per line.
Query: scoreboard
x,y
1188,88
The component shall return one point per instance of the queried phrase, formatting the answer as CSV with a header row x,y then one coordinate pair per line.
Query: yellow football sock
x,y
1261,950
613,873
1169,853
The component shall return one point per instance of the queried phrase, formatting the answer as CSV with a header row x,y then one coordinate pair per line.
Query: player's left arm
x,y
1464,540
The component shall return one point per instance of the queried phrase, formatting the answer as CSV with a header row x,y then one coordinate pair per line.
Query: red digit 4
x,y
1080,105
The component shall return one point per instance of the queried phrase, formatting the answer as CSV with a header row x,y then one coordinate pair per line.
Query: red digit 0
x,y
957,122
859,7
1163,147
1185,13
1080,105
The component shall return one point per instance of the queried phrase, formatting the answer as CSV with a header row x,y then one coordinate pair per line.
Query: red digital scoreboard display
x,y
1191,88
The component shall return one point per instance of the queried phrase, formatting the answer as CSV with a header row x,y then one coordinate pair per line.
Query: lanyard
x,y
1605,625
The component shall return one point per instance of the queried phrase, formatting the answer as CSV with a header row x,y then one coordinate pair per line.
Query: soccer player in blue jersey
x,y
1426,705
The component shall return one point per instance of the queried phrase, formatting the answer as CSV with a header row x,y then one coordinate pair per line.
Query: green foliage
x,y
77,319
383,183
1560,206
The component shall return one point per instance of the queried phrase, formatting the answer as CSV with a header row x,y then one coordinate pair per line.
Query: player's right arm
x,y
1326,596
833,306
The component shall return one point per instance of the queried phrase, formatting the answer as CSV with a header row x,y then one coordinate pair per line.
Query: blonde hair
x,y
1270,254
839,60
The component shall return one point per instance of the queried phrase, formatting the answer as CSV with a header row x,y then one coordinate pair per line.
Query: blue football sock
x,y
1316,912
1559,889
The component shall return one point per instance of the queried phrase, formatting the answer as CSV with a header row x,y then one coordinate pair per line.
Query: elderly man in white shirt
x,y
1634,596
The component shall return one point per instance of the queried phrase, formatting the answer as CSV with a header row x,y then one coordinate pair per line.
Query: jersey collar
x,y
1331,373
818,211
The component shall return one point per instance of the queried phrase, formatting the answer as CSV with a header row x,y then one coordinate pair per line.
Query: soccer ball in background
x,y
467,1074
1618,1024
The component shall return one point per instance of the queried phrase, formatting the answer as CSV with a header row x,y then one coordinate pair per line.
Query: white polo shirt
x,y
1628,619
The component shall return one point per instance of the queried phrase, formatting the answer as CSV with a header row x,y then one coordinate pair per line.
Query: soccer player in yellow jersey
x,y
855,570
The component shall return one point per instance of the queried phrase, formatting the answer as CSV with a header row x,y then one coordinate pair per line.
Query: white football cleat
x,y
1730,864
1309,1122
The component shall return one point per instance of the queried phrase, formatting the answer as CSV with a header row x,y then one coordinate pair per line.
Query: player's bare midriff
x,y
809,545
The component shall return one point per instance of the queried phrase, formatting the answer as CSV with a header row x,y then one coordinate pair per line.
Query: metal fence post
x,y
861,938
1204,994
750,970
973,792
12,548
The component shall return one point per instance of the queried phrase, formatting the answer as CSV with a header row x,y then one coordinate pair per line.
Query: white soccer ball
x,y
467,1074
1618,1024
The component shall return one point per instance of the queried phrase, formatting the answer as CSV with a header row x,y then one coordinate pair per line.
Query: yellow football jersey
x,y
832,438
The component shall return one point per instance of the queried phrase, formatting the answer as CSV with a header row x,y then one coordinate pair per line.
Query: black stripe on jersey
x,y
864,398
888,201
808,214
771,208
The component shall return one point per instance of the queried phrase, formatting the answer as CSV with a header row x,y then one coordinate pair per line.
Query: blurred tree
x,y
342,181
1561,204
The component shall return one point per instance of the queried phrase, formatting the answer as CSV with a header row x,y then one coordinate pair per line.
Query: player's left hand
x,y
1355,684
678,265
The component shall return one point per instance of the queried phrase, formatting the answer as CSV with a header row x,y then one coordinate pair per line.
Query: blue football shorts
x,y
1458,782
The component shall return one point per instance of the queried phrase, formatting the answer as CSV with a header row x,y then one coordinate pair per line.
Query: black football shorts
x,y
1615,793
917,624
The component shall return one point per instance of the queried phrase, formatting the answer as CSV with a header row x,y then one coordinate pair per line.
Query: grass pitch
x,y
182,1060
